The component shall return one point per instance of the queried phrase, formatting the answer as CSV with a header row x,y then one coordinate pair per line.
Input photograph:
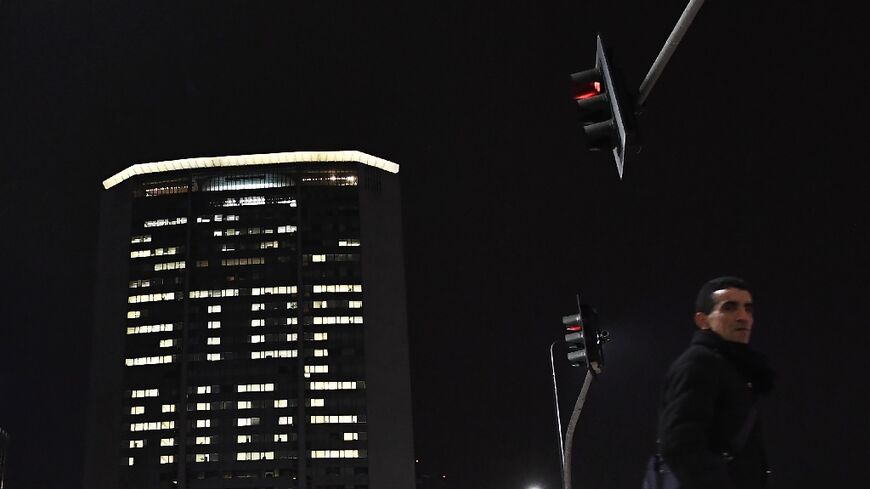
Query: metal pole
x,y
668,50
558,416
572,424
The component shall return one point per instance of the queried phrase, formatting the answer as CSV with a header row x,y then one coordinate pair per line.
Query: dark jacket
x,y
709,393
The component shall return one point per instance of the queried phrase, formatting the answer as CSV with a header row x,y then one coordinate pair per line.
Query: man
x,y
709,430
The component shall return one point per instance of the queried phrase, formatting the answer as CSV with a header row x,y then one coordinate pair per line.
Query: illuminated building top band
x,y
258,159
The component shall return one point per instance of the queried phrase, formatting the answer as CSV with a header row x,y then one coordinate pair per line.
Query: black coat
x,y
710,392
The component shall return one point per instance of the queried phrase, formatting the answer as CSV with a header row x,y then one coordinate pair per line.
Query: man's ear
x,y
701,320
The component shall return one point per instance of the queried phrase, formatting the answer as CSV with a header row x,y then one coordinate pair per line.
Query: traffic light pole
x,y
556,402
572,424
668,50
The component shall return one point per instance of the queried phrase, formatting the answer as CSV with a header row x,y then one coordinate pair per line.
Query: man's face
x,y
731,317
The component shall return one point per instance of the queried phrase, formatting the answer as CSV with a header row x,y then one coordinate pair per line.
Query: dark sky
x,y
753,163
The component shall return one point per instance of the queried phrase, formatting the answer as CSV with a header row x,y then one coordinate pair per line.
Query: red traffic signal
x,y
605,109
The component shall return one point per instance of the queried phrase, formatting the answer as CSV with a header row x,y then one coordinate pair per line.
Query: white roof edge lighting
x,y
258,159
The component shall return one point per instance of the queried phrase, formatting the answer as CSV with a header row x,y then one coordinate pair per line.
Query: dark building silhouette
x,y
250,327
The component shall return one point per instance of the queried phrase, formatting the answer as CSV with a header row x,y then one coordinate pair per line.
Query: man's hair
x,y
705,303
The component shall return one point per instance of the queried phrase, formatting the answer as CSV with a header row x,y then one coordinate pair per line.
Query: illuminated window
x,y
203,389
265,245
203,406
321,336
281,438
167,408
335,454
167,343
334,386
253,456
144,393
167,442
321,352
150,328
291,336
134,314
146,238
137,443
337,320
203,440
172,265
280,403
172,250
165,296
130,460
319,289
140,284
334,419
244,438
214,357
167,459
253,421
285,420
258,322
237,262
316,402
274,290
214,324
286,229
155,360
258,338
319,305
317,369
354,304
213,340
165,222
351,436
318,258
292,305
137,410
258,306
214,309
205,457
259,355
203,423
243,405
255,387
348,242
243,201
152,426
202,294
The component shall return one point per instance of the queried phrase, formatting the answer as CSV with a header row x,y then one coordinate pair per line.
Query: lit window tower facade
x,y
250,327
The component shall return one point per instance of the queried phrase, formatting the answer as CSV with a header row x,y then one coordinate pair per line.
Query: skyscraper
x,y
250,327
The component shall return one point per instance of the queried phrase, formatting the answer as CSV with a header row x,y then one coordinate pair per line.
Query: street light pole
x,y
668,50
558,416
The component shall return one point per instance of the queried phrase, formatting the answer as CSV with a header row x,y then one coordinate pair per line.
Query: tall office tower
x,y
4,447
251,328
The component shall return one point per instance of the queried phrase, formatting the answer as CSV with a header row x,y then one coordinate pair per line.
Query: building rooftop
x,y
255,159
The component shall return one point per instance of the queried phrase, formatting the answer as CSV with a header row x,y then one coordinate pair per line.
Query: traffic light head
x,y
605,109
585,340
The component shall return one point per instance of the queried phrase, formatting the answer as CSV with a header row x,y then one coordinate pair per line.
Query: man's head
x,y
724,306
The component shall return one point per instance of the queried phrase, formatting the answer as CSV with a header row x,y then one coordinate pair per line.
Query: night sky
x,y
753,164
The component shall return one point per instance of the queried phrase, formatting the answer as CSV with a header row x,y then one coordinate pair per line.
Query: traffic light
x,y
585,340
605,109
